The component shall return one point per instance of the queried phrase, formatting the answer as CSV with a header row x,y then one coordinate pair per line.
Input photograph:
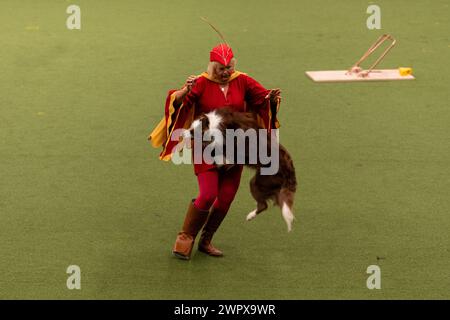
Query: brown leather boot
x,y
214,220
193,222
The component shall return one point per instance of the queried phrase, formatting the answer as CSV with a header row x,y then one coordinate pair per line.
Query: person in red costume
x,y
220,86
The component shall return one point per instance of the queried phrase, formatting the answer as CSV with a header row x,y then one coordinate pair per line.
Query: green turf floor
x,y
80,185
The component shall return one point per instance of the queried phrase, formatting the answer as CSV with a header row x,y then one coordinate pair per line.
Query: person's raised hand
x,y
274,95
190,81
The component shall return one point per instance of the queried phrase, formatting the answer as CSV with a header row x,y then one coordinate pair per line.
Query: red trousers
x,y
217,187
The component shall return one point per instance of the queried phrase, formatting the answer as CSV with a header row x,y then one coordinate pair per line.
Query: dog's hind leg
x,y
261,203
260,207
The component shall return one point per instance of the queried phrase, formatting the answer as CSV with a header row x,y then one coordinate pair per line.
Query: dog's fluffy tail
x,y
286,201
287,215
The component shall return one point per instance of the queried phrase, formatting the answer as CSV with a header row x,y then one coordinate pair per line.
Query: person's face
x,y
223,73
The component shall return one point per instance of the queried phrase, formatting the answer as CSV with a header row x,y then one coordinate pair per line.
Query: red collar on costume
x,y
233,76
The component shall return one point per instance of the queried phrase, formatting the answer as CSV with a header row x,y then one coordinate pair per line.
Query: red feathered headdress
x,y
221,53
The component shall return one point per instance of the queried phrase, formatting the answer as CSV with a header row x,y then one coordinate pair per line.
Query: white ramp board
x,y
342,76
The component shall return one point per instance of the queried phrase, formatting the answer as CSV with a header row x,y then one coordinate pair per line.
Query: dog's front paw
x,y
251,215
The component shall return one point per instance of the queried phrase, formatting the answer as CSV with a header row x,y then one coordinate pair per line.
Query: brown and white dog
x,y
280,187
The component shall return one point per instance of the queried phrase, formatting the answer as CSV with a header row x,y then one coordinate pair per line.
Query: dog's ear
x,y
201,122
205,123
